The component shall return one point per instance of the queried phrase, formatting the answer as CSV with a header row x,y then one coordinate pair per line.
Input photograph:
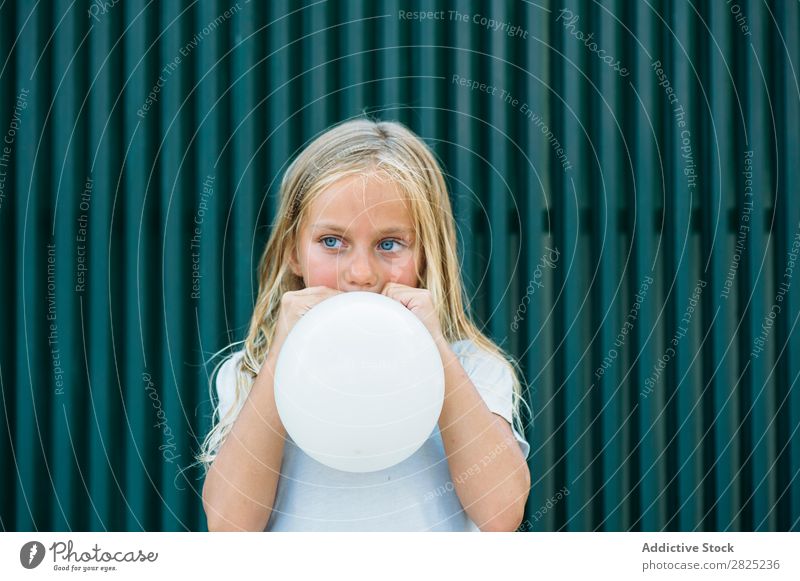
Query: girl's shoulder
x,y
226,382
467,349
484,367
230,366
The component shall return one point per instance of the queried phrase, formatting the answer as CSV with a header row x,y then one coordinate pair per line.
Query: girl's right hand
x,y
295,304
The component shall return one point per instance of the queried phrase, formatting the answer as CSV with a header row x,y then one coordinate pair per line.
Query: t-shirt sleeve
x,y
494,382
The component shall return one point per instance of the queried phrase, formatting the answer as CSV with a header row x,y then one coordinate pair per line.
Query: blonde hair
x,y
356,148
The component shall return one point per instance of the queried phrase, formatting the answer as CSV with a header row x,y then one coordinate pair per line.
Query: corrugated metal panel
x,y
142,118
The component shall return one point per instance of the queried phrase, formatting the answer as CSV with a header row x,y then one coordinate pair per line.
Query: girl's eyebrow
x,y
336,228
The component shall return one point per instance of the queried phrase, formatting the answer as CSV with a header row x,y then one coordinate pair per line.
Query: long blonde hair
x,y
357,147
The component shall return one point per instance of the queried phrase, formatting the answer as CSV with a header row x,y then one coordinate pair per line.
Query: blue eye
x,y
329,242
334,243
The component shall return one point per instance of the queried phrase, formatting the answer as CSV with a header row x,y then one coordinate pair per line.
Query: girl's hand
x,y
419,302
295,304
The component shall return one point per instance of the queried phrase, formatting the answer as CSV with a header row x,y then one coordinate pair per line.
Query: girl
x,y
365,208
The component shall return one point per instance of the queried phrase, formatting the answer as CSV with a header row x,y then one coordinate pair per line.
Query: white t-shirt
x,y
415,495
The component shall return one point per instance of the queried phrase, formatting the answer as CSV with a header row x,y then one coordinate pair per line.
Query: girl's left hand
x,y
419,302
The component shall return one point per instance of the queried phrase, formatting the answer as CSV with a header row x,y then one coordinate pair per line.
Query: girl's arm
x,y
490,474
240,486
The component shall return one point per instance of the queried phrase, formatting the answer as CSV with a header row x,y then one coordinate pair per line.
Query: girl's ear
x,y
291,258
421,271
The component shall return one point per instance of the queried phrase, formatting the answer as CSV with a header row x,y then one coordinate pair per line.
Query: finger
x,y
397,293
393,288
320,290
398,286
405,299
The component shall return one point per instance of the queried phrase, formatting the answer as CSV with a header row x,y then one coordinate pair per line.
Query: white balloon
x,y
359,383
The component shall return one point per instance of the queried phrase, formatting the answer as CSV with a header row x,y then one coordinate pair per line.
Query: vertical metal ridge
x,y
612,275
463,194
69,185
761,290
721,201
33,230
784,370
93,331
536,336
648,470
683,392
277,99
355,69
571,304
174,193
9,490
139,232
787,18
499,190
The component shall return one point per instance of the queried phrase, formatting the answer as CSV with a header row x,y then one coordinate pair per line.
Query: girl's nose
x,y
361,272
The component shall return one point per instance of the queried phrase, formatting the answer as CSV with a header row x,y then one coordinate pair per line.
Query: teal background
x,y
714,447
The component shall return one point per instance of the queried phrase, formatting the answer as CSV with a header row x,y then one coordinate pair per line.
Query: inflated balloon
x,y
359,383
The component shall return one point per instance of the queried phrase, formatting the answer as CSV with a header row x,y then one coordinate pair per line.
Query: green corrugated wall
x,y
102,349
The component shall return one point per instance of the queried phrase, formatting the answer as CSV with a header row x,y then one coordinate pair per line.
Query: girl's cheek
x,y
404,272
322,270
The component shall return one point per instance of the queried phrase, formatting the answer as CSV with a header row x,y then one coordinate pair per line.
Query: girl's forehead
x,y
354,196
373,185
